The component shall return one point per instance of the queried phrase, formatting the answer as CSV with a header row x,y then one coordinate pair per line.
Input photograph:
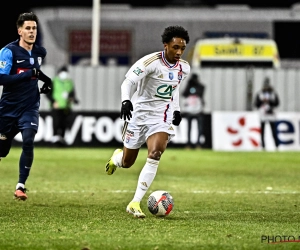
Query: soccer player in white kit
x,y
152,110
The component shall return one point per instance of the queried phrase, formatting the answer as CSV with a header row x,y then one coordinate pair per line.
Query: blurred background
x,y
130,30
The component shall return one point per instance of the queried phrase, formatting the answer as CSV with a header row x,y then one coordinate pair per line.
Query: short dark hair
x,y
175,31
63,68
27,16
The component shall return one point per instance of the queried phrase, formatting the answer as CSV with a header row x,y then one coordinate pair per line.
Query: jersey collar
x,y
163,58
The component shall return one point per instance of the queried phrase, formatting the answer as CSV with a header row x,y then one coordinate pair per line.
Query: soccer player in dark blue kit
x,y
20,63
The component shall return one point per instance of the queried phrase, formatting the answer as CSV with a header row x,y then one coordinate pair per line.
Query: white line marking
x,y
193,191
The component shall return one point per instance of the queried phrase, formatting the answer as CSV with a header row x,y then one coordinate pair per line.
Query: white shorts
x,y
134,136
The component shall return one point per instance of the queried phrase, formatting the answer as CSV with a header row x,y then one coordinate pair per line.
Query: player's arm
x,y
136,73
5,67
176,108
126,107
175,100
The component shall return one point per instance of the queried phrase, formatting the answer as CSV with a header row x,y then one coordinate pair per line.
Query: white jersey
x,y
157,94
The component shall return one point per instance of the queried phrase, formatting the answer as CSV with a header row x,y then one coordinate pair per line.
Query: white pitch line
x,y
193,191
244,192
222,192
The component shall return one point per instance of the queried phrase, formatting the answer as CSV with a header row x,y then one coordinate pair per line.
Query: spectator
x,y
62,96
193,107
266,101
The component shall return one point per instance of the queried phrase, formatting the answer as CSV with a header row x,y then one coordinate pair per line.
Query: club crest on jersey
x,y
31,60
171,76
180,76
40,60
138,71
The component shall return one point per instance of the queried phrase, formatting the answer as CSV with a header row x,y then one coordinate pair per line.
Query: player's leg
x,y
25,162
28,125
6,141
158,137
156,144
132,140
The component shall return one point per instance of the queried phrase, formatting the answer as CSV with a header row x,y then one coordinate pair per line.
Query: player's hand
x,y
126,110
46,88
176,118
35,72
40,75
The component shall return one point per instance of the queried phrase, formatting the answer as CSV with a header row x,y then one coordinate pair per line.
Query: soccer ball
x,y
160,203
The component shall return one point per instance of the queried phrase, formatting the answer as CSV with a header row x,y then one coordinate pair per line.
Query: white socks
x,y
146,178
117,159
20,185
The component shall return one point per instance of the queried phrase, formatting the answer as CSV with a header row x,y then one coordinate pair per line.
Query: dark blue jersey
x,y
20,89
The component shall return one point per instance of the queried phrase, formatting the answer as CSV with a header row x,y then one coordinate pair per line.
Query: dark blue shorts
x,y
29,119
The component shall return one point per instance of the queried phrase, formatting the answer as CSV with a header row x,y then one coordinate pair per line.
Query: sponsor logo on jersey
x,y
40,60
2,64
138,71
21,70
171,75
3,137
170,128
164,91
20,61
161,76
31,60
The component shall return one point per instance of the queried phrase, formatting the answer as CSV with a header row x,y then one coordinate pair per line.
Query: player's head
x,y
27,27
28,16
175,39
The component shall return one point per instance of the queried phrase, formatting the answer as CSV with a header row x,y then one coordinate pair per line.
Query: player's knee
x,y
28,145
155,154
28,139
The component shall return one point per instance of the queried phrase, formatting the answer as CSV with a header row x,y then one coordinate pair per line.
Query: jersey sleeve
x,y
175,100
137,71
5,61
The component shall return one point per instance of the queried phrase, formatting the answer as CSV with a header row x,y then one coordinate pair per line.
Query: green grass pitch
x,y
222,200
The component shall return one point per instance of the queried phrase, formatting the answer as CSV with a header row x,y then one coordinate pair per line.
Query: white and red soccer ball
x,y
160,203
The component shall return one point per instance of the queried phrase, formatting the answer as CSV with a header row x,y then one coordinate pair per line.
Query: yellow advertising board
x,y
231,49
